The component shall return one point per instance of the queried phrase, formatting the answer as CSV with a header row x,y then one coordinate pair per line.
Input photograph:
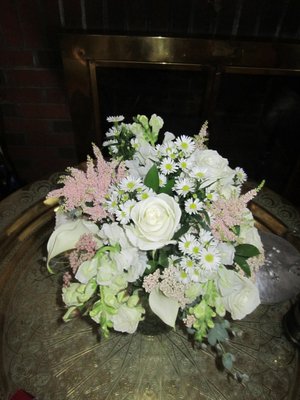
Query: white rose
x,y
249,233
156,219
239,295
127,318
227,252
216,166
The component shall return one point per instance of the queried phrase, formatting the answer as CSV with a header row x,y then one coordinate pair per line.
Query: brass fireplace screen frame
x,y
83,53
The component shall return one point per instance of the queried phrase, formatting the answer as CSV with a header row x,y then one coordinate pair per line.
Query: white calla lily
x,y
164,307
67,235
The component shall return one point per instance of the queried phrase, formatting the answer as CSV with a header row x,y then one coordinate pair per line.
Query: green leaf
x,y
227,361
163,259
152,179
153,267
168,187
242,262
181,231
246,250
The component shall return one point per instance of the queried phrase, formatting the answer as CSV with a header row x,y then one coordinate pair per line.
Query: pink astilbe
x,y
171,287
151,281
189,321
226,213
167,283
85,250
87,190
67,277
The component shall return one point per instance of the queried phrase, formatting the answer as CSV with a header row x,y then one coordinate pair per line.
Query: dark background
x,y
259,114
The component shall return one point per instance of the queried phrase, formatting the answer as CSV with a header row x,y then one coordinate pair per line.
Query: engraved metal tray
x,y
57,361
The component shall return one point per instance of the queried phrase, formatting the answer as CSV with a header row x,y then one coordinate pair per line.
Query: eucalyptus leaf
x,y
217,334
227,361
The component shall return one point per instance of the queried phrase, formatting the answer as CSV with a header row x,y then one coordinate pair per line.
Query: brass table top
x,y
58,361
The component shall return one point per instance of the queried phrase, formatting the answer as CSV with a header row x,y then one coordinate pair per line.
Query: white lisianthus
x,y
128,258
127,318
87,270
239,295
156,219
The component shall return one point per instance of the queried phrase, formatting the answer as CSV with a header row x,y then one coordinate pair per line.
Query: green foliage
x,y
246,250
218,333
242,263
167,189
242,253
152,179
227,361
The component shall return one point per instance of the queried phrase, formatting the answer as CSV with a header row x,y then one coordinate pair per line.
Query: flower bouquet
x,y
163,224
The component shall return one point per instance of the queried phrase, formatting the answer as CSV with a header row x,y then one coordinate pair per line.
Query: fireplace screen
x,y
177,96
249,93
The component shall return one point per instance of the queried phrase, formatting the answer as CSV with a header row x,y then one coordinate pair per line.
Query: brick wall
x,y
37,135
37,131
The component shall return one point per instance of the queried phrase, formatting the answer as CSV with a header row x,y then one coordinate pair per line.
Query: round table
x,y
58,361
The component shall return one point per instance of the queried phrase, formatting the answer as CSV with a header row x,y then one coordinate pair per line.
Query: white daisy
x,y
187,264
192,206
168,166
199,173
117,118
211,195
195,275
195,250
172,260
186,242
184,164
183,276
166,149
112,203
240,175
185,144
123,214
109,142
114,149
205,237
210,258
183,186
113,131
130,184
162,180
145,193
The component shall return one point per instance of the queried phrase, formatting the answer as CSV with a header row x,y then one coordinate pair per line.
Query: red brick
x,y
10,27
20,125
44,111
34,78
15,58
57,96
31,23
24,95
51,140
